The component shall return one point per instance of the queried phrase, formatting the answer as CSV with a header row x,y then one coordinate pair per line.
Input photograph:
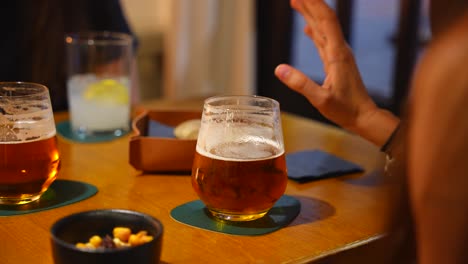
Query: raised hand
x,y
342,98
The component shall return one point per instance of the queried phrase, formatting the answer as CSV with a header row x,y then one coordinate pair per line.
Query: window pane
x,y
374,23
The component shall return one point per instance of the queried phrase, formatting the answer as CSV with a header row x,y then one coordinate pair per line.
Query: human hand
x,y
342,98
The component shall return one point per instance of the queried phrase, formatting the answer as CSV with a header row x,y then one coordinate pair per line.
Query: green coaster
x,y
64,129
195,214
60,193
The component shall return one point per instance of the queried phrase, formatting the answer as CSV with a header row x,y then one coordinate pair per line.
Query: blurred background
x,y
193,49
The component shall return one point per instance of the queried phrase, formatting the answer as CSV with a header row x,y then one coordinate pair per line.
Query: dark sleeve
x,y
108,15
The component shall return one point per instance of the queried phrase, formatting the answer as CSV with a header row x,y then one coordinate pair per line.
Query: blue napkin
x,y
312,165
157,129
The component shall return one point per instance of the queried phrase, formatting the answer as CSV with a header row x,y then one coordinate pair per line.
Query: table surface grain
x,y
336,214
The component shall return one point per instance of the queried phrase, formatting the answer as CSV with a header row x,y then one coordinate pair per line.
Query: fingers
x,y
315,32
295,4
300,83
319,39
325,19
323,26
321,51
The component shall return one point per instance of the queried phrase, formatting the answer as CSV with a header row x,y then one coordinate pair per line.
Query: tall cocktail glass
x,y
98,85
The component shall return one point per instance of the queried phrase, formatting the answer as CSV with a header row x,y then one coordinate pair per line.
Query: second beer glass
x,y
29,159
239,170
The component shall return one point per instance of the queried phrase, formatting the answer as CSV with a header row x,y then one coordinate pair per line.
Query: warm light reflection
x,y
55,156
220,225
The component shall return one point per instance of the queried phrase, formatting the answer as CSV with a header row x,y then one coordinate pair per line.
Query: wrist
x,y
376,125
387,146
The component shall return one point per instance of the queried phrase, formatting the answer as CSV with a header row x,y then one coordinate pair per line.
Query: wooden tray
x,y
157,153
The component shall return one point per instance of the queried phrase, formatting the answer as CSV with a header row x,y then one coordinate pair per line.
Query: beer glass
x,y
29,160
239,169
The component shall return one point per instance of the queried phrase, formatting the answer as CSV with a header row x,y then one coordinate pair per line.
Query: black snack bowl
x,y
80,227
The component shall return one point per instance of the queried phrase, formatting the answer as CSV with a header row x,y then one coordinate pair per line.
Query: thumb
x,y
299,82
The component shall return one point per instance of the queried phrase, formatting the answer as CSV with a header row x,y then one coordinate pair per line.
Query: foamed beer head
x,y
188,129
26,120
242,138
250,150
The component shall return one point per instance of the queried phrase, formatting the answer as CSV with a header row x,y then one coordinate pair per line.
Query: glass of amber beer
x,y
29,159
239,170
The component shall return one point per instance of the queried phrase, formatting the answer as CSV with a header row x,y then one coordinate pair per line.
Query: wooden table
x,y
337,214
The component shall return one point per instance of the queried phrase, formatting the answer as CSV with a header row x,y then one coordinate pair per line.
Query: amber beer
x,y
27,168
29,159
240,188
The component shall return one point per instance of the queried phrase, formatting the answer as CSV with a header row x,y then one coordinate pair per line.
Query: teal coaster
x,y
64,129
195,214
60,193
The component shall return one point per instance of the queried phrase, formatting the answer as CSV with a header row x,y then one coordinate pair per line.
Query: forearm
x,y
441,230
437,182
438,148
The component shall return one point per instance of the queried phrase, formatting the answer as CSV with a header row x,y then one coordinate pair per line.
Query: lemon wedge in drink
x,y
107,91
